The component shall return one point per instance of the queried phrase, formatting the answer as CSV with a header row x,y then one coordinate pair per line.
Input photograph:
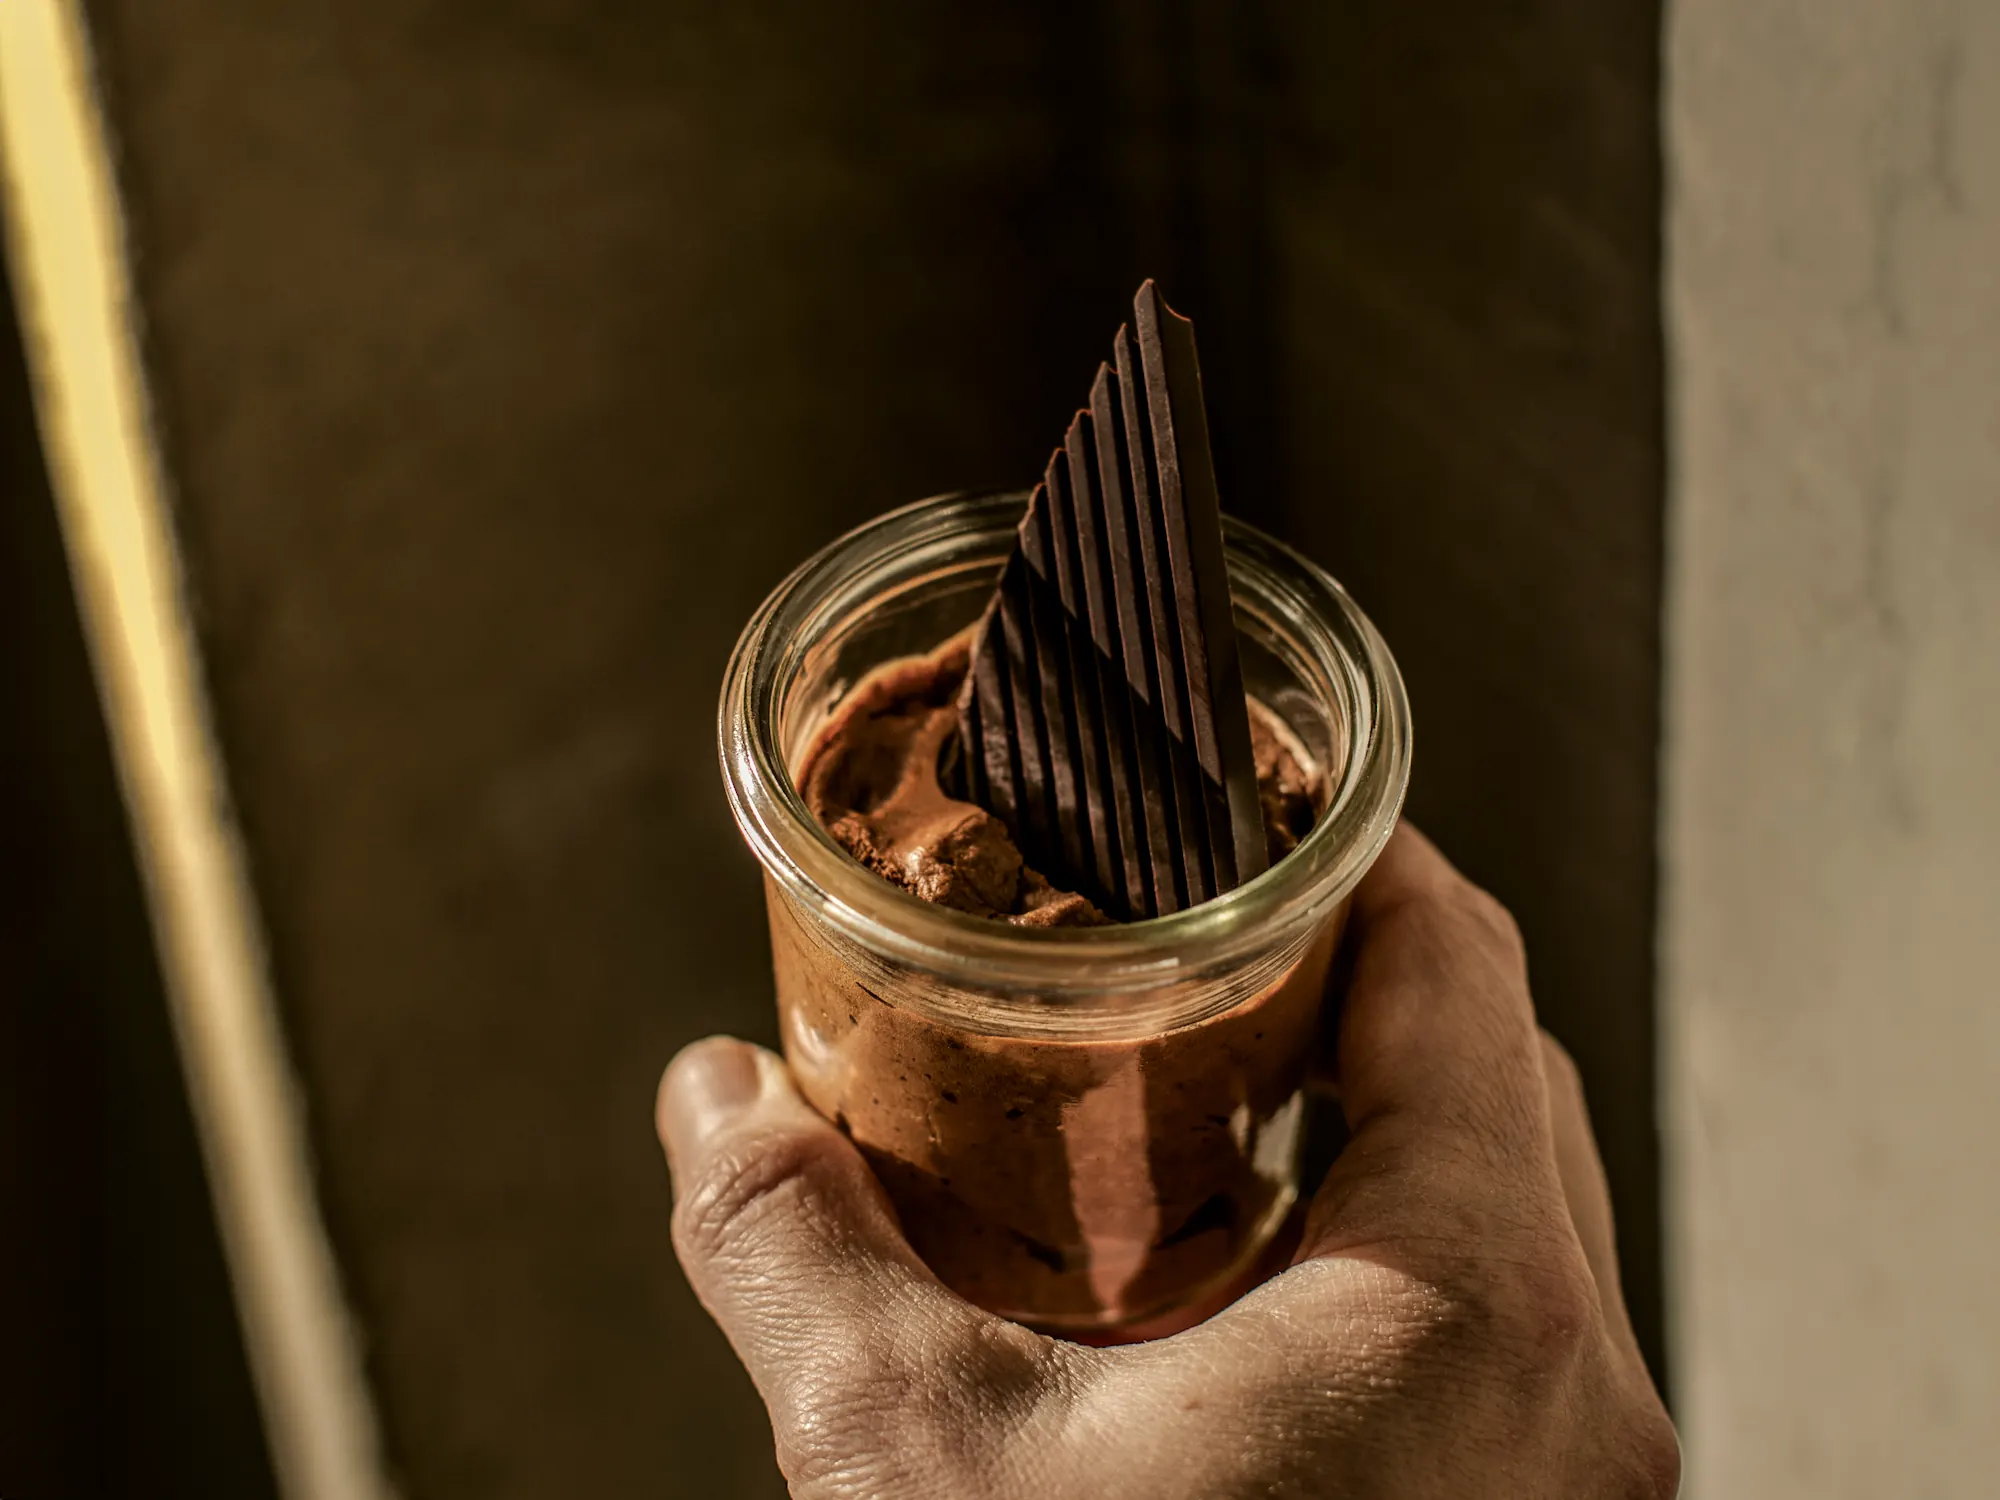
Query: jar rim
x,y
1285,901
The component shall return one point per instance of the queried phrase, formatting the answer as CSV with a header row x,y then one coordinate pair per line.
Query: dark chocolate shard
x,y
1104,718
1212,667
1124,866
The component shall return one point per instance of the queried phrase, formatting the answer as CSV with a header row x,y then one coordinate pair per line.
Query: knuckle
x,y
1525,1316
1656,1457
1563,1074
1555,1311
943,1412
1454,1309
848,1424
1495,924
740,1186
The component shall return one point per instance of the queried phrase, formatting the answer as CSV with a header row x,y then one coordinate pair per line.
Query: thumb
x,y
794,1250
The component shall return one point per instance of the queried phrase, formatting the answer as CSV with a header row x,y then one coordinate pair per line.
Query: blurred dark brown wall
x,y
1465,220
506,354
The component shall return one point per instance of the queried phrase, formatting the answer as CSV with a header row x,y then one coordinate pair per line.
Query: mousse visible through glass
x,y
1083,1184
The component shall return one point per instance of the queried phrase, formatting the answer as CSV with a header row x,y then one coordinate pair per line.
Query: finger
x,y
793,1249
1585,1187
1439,1060
1437,1022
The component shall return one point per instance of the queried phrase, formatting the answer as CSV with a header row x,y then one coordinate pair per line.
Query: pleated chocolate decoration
x,y
1104,719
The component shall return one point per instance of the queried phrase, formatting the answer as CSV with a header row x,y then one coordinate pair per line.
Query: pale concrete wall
x,y
1832,927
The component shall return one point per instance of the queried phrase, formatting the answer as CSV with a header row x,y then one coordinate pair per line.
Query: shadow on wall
x,y
122,1372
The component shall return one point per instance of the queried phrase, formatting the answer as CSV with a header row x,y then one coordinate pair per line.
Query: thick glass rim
x,y
1277,907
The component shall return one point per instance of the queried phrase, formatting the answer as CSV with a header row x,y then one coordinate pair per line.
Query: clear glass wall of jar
x,y
1083,1129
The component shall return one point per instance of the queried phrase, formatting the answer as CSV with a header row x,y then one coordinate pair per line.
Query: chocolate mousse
x,y
876,777
1100,1188
1118,1147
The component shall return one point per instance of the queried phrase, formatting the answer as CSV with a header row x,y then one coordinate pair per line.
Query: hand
x,y
1451,1325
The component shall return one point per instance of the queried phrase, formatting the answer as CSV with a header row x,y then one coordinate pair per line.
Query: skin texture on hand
x,y
1451,1325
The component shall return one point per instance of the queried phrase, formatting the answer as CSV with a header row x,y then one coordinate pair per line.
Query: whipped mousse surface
x,y
873,780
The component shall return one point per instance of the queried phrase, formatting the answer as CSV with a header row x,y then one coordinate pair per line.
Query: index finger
x,y
1439,1057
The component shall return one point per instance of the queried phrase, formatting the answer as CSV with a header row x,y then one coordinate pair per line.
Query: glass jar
x,y
1083,1129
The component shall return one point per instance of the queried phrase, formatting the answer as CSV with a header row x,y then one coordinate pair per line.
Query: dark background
x,y
121,1370
506,354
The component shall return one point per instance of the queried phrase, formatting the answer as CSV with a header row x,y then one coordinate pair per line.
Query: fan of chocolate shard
x,y
1104,719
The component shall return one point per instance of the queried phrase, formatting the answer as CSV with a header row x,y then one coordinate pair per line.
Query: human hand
x,y
1451,1325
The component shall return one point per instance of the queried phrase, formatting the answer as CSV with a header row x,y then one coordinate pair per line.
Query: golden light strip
x,y
66,253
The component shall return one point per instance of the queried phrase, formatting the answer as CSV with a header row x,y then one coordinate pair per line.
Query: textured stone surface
x,y
1833,849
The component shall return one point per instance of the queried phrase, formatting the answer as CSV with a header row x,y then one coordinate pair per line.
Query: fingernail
x,y
708,1086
